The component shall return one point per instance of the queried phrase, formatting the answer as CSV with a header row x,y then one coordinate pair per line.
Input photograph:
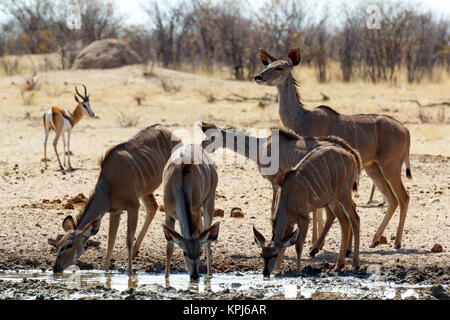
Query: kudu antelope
x,y
129,171
382,141
62,121
302,190
291,149
190,181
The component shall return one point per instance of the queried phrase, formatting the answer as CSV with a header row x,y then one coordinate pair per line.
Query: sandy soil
x,y
33,202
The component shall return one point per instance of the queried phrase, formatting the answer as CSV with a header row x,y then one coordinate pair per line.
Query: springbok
x,y
382,141
190,181
129,171
292,148
302,189
62,121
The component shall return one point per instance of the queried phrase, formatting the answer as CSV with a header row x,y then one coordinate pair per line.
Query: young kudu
x,y
291,149
62,121
129,171
302,190
382,141
190,181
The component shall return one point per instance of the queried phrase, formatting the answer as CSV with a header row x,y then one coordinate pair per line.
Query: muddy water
x,y
113,285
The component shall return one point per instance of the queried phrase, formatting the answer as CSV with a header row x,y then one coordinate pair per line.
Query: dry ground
x,y
30,212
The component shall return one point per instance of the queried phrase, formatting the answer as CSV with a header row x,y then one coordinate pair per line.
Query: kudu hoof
x,y
338,268
313,252
374,244
355,268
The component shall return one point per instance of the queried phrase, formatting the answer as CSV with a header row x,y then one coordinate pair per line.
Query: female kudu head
x,y
72,243
276,71
192,248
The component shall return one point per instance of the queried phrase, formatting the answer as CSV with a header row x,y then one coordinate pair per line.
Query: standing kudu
x,y
190,181
129,171
325,177
382,141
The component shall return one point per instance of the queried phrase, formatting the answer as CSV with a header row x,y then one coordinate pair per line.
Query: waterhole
x,y
248,283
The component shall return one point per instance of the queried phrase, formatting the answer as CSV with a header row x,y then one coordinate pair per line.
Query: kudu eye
x,y
279,68
69,246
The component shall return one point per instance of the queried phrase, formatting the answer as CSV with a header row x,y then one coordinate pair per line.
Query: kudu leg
x,y
371,194
208,212
345,229
114,221
170,222
316,246
394,178
303,224
349,208
378,178
315,227
132,220
151,206
320,224
349,243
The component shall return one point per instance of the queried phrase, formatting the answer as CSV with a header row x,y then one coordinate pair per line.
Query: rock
x,y
383,240
435,200
219,213
68,206
237,213
437,248
106,54
439,292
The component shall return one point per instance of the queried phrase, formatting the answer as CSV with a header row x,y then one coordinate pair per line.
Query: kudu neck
x,y
291,110
98,204
243,144
279,220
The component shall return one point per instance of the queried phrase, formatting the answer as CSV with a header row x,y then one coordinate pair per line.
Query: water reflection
x,y
246,283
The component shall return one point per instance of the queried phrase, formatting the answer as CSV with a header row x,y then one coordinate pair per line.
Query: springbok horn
x,y
76,90
85,92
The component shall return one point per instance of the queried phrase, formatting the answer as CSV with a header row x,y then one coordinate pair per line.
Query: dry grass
x,y
127,120
26,64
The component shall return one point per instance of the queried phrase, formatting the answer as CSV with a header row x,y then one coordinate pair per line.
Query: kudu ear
x,y
172,235
266,58
290,239
91,228
294,57
259,238
280,176
207,126
211,234
68,224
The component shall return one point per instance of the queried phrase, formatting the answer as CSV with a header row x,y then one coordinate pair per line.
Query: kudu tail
x,y
408,169
407,164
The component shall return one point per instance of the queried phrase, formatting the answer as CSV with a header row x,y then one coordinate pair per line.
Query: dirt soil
x,y
34,202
